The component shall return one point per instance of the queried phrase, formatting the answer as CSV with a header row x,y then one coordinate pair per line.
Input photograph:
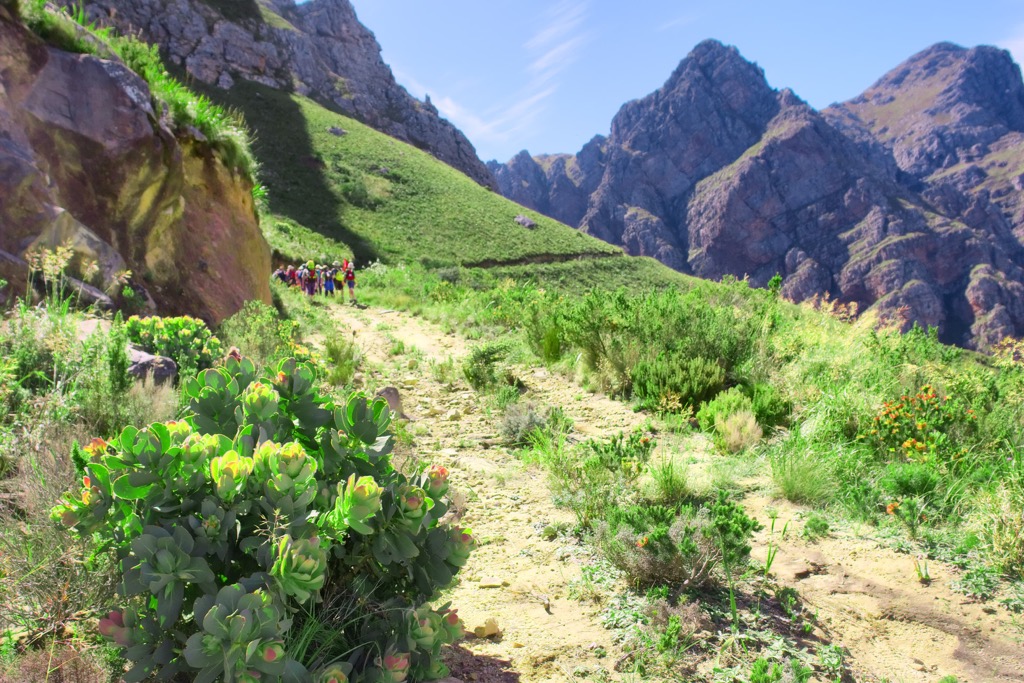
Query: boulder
x,y
525,222
146,366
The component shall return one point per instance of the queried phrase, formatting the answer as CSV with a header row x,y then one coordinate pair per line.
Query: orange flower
x,y
642,542
891,508
96,447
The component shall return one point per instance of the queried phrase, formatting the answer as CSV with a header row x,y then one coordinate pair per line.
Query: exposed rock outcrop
x,y
86,162
719,174
316,48
949,116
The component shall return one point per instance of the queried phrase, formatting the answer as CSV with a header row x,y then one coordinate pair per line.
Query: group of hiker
x,y
316,278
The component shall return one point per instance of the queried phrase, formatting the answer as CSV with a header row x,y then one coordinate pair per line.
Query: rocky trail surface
x,y
866,596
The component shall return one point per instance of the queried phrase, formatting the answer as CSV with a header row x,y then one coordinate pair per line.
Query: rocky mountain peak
x,y
943,106
901,200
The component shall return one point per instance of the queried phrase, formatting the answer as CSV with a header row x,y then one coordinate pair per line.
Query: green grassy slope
x,y
383,198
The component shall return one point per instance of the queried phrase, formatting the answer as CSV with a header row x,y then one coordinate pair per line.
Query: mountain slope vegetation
x,y
333,179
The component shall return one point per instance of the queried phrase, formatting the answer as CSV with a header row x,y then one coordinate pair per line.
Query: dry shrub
x,y
682,556
738,431
59,663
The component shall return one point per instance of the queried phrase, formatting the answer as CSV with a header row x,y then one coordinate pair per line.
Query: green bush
x,y
670,383
268,500
185,340
521,421
451,274
259,332
925,428
815,527
224,130
800,473
480,368
506,396
670,482
770,407
725,404
910,480
730,419
343,360
106,393
593,476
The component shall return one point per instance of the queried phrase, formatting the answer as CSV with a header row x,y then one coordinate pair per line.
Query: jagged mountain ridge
x,y
317,48
718,173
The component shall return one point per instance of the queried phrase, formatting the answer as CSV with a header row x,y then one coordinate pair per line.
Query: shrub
x,y
801,474
815,527
444,372
106,392
224,130
671,487
58,663
259,332
725,404
595,475
904,480
999,522
770,407
739,431
343,359
265,500
729,417
922,428
185,340
507,395
522,420
654,545
451,275
670,383
480,368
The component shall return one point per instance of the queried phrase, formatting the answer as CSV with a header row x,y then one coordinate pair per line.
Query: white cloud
x,y
1015,44
496,125
678,22
554,46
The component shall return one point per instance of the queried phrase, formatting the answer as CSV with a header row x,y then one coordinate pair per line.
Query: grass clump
x,y
343,358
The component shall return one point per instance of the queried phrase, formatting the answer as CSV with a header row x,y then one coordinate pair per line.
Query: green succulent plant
x,y
265,498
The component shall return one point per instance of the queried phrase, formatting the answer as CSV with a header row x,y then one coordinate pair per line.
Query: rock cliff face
x,y
85,161
949,116
888,201
317,48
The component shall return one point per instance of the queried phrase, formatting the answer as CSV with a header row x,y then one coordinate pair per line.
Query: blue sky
x,y
547,75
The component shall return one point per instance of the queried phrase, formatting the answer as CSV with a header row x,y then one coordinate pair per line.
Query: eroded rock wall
x,y
85,161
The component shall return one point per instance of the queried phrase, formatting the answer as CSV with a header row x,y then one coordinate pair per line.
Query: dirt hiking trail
x,y
866,596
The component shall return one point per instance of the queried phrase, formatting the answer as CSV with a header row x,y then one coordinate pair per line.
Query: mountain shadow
x,y
297,178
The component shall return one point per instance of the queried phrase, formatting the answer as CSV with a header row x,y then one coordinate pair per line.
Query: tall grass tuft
x,y
801,475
